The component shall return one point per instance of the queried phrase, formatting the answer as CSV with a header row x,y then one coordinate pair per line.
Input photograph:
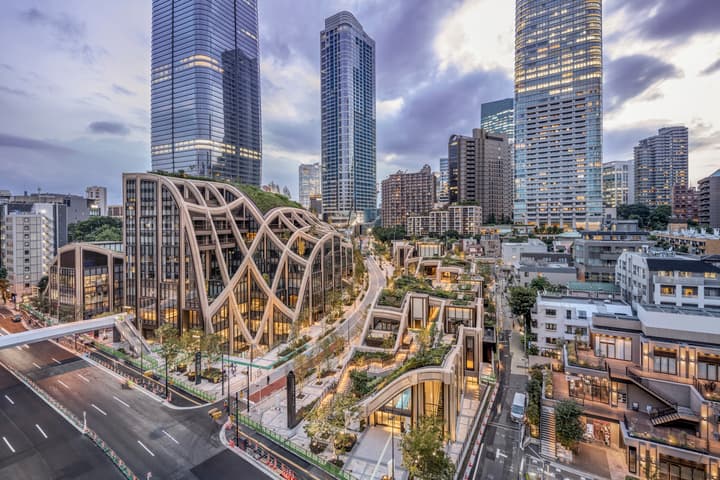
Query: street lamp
x,y
392,444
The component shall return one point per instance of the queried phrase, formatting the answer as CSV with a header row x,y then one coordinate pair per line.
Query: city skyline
x,y
101,110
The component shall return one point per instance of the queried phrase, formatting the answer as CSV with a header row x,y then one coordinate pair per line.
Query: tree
x,y
422,451
534,391
4,285
42,284
540,284
522,300
96,229
568,427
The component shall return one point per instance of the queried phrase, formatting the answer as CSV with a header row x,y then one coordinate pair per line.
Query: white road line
x,y
63,384
141,444
98,409
26,346
9,400
85,379
41,430
56,360
8,444
18,347
116,398
37,366
5,331
171,437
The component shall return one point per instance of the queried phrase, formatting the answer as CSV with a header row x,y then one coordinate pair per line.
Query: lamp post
x,y
392,445
248,379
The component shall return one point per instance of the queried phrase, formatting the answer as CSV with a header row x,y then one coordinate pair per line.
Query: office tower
x,y
347,90
709,200
481,173
405,194
618,183
443,193
309,182
205,92
661,162
499,117
98,195
558,112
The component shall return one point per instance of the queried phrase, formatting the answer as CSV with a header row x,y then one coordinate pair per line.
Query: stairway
x,y
672,414
131,335
548,444
643,384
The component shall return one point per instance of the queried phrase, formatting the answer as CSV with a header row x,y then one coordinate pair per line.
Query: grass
x,y
393,297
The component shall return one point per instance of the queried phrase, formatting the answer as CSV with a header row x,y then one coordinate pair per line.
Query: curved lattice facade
x,y
200,254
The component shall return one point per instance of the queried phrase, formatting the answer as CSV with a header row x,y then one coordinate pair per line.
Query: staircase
x,y
131,335
548,444
643,384
672,414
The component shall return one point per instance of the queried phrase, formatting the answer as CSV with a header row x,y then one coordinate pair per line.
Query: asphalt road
x,y
146,434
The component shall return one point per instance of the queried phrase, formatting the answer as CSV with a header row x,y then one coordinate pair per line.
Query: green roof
x,y
593,287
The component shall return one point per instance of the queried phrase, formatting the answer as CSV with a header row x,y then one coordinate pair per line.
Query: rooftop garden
x,y
393,297
454,262
577,356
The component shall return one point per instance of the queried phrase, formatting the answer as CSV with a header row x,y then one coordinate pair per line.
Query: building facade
x,y
709,201
115,211
98,196
499,117
347,94
443,186
558,112
309,182
691,241
464,219
405,194
618,183
661,163
201,254
685,203
483,174
205,89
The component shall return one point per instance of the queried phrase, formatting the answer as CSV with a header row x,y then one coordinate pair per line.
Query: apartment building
x,y
709,200
466,220
512,251
691,241
407,193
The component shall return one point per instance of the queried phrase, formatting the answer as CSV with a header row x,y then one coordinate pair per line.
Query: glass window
x,y
550,312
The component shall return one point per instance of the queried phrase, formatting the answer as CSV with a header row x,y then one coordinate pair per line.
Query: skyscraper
x,y
618,183
442,188
499,117
661,162
347,90
205,91
308,182
558,112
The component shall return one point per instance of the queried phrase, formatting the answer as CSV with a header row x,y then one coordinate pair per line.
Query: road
x,y
148,436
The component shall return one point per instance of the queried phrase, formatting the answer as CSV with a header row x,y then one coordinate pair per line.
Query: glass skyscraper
x,y
347,90
498,117
206,89
558,112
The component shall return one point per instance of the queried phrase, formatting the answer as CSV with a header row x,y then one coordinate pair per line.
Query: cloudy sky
x,y
75,96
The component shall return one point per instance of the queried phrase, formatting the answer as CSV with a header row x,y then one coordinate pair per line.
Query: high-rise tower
x,y
206,89
661,163
558,112
347,89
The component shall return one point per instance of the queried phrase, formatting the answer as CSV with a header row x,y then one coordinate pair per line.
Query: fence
x,y
306,455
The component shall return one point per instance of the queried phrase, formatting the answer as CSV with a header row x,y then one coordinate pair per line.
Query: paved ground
x,y
372,457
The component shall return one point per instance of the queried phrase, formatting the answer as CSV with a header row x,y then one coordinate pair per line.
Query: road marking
x,y
9,400
63,384
8,444
5,331
171,437
26,346
85,379
146,449
98,409
116,398
56,360
37,366
18,347
41,430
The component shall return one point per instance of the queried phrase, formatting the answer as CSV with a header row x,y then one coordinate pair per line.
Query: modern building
x,y
86,280
709,200
663,278
466,220
596,252
556,274
558,113
481,173
347,92
205,89
201,254
691,241
562,318
618,183
98,197
77,207
498,117
661,162
443,194
115,211
316,204
685,203
309,182
512,251
405,194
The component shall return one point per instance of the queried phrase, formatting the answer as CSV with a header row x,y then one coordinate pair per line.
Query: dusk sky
x,y
75,93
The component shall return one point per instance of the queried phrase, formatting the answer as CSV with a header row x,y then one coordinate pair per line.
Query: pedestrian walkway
x,y
371,458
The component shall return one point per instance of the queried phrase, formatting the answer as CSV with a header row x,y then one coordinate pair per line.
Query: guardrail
x,y
306,455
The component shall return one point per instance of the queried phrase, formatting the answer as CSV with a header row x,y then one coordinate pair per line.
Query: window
x,y
710,275
708,367
469,353
568,314
550,312
582,314
551,327
690,291
665,361
667,290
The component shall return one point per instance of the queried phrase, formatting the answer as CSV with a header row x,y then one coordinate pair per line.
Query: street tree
x,y
522,300
423,455
568,427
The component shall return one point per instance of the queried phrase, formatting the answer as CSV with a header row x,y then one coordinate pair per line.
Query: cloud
x,y
13,141
630,76
107,127
14,91
712,68
682,18
390,108
122,90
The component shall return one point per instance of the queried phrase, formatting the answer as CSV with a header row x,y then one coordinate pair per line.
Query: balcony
x,y
582,357
639,426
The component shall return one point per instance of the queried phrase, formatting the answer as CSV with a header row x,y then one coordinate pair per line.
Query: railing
x,y
640,381
306,455
675,438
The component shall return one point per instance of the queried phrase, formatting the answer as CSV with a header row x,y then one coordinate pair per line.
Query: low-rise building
x,y
691,241
512,251
663,278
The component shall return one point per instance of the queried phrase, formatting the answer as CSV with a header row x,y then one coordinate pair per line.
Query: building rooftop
x,y
681,264
602,287
547,268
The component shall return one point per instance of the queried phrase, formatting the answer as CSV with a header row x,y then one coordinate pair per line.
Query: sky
x,y
75,91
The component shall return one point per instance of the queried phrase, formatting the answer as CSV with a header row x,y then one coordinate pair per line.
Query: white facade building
x,y
511,251
98,195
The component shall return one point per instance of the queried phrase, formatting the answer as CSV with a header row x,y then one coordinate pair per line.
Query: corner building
x,y
205,91
558,112
200,254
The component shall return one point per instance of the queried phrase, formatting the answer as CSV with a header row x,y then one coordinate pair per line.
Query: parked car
x,y
517,411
